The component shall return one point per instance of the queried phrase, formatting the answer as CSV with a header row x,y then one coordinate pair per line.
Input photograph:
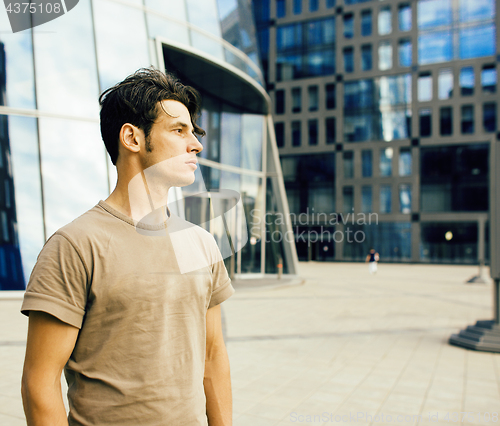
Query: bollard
x,y
280,267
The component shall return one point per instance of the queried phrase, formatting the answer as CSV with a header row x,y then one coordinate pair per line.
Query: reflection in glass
x,y
366,23
296,133
348,199
348,158
433,13
310,179
296,99
395,115
490,117
288,67
175,8
405,198
384,55
320,63
385,198
349,25
313,98
279,102
203,15
330,96
386,161
477,41
313,132
405,53
454,178
477,10
466,81
366,57
395,124
424,87
405,162
231,135
308,56
395,89
461,249
445,83
489,78
71,187
425,122
445,121
252,197
297,7
358,94
288,36
252,139
159,26
366,163
467,121
330,130
359,127
162,27
280,8
17,67
115,41
279,130
435,47
366,199
348,59
66,65
21,164
210,122
392,240
404,17
385,21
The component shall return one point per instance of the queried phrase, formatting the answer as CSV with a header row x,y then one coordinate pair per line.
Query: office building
x,y
384,112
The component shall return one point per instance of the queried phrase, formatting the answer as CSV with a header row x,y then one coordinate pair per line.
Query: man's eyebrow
x,y
179,124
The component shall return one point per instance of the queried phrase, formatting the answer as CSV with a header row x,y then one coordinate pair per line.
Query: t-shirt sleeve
x,y
58,282
221,283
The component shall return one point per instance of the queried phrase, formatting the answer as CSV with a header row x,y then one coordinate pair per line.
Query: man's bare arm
x,y
50,344
217,379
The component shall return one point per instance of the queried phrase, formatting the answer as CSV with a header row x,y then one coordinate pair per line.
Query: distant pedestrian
x,y
372,258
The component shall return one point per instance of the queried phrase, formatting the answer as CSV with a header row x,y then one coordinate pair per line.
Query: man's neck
x,y
140,206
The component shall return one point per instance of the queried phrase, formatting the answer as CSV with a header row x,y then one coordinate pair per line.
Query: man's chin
x,y
185,182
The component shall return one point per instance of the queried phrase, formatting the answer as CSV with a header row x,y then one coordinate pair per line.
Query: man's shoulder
x,y
88,224
183,226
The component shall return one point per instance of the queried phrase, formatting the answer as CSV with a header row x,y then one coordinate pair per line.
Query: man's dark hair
x,y
136,101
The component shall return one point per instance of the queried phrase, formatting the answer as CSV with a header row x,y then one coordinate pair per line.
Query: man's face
x,y
171,160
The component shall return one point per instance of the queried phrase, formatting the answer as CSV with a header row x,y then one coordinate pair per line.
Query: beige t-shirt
x,y
140,354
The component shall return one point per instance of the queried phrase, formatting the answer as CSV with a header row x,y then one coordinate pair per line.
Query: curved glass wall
x,y
53,164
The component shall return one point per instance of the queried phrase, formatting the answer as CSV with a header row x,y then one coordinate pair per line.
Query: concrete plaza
x,y
341,347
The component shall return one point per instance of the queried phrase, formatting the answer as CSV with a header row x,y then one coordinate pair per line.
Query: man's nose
x,y
195,145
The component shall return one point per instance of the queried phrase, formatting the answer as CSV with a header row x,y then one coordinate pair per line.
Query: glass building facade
x,y
53,163
406,117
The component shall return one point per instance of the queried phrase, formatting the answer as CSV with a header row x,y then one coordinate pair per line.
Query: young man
x,y
126,298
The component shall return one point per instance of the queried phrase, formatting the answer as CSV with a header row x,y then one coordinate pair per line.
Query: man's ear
x,y
130,137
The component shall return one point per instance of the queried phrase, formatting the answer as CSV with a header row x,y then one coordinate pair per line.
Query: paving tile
x,y
250,420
